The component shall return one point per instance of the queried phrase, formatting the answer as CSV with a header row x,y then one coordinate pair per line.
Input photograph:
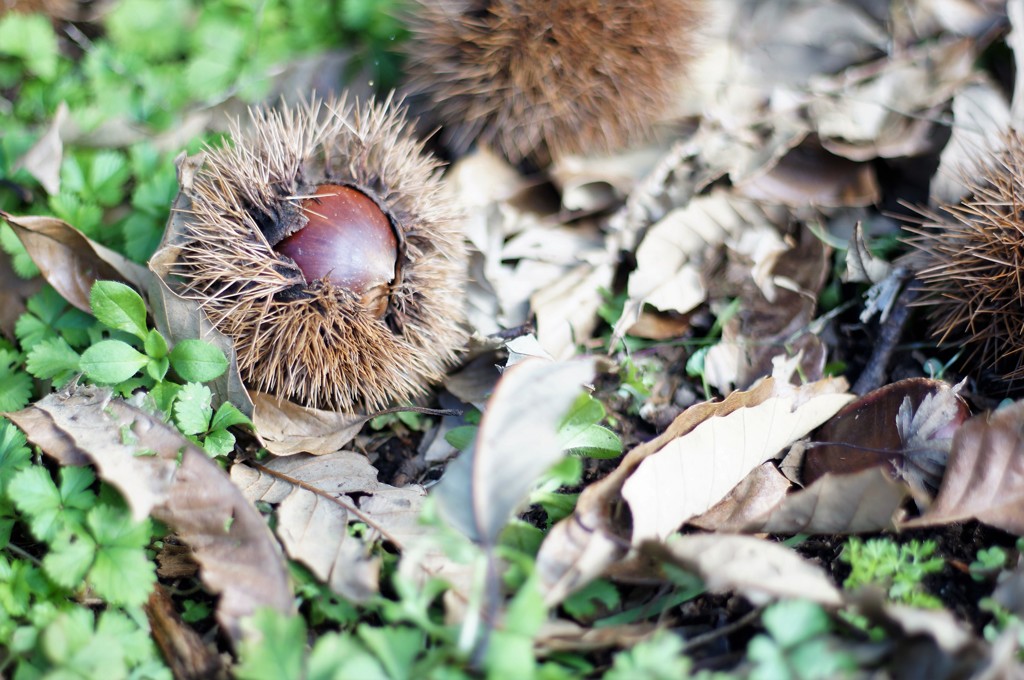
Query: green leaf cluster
x,y
89,546
899,569
797,645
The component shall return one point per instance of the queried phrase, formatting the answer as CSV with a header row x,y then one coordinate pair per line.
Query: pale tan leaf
x,y
517,442
590,183
582,546
981,120
694,472
286,428
44,159
862,266
759,570
672,254
315,494
566,310
155,467
70,261
560,635
883,108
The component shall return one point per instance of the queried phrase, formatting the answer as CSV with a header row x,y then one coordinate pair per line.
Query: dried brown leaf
x,y
907,427
670,258
185,489
984,477
286,428
14,291
582,546
44,159
861,502
315,496
759,493
70,261
809,175
759,570
691,474
180,646
885,108
778,297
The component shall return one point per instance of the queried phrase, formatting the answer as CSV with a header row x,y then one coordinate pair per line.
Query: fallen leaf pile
x,y
804,125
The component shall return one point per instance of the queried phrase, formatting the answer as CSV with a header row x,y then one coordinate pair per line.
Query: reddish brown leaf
x,y
906,426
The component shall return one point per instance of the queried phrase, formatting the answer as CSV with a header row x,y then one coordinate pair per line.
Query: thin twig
x,y
711,636
874,372
363,517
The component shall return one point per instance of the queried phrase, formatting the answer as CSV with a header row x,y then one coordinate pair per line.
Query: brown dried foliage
x,y
311,341
968,260
535,78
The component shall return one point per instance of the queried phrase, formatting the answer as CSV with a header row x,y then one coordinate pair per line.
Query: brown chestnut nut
x,y
347,240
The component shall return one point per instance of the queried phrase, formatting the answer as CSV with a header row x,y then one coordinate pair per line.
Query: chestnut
x,y
347,240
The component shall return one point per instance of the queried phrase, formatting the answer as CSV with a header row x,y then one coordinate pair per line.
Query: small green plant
x,y
988,563
899,569
797,645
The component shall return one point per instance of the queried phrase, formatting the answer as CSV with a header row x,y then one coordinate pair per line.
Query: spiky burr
x,y
541,78
322,243
969,257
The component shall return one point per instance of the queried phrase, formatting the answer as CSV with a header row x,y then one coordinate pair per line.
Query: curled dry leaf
x,y
862,266
70,261
984,477
286,428
582,546
560,635
809,175
179,485
44,159
981,118
180,646
691,474
759,570
861,502
669,261
179,319
907,427
757,495
517,442
885,108
317,497
777,302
